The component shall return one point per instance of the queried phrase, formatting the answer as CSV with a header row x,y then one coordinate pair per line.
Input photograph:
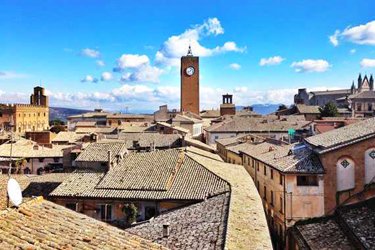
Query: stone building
x,y
27,117
360,98
289,178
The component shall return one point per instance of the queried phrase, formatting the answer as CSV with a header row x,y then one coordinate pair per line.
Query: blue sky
x,y
117,54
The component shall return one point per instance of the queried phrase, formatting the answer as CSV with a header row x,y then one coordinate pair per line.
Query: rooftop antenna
x,y
13,188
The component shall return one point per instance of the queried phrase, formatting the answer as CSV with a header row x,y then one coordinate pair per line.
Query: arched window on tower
x,y
370,166
345,174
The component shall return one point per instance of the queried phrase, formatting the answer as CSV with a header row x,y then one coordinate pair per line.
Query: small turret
x,y
371,83
352,89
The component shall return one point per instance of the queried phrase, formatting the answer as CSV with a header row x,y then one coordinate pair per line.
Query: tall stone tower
x,y
190,83
38,97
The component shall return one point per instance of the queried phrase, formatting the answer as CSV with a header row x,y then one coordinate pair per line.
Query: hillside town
x,y
193,179
200,125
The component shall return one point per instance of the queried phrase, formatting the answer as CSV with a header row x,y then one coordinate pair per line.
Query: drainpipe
x,y
285,193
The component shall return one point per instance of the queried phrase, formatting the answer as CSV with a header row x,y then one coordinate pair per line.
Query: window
x,y
55,159
41,159
105,211
271,197
271,174
252,163
257,164
72,206
281,205
149,212
119,122
265,170
359,107
265,192
280,179
369,107
307,180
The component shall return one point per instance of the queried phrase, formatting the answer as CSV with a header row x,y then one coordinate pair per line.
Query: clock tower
x,y
190,83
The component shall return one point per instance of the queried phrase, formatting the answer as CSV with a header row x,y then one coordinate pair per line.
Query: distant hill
x,y
262,109
63,113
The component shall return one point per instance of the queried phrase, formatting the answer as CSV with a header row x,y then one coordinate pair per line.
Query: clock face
x,y
190,70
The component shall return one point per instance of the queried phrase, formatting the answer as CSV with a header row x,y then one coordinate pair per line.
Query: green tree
x,y
329,110
57,128
131,212
282,107
56,122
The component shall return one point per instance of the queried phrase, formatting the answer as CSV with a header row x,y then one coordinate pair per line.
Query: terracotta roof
x,y
314,235
90,115
364,95
32,185
146,139
341,137
332,92
159,175
186,119
67,136
307,109
252,125
198,226
125,116
98,152
40,224
294,158
210,114
246,225
29,149
351,227
86,124
178,128
98,130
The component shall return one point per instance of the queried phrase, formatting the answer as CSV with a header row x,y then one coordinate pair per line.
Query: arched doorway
x,y
345,174
370,166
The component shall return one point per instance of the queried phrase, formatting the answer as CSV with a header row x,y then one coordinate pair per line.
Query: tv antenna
x,y
13,188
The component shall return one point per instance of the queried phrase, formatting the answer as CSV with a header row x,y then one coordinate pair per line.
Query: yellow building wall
x,y
30,118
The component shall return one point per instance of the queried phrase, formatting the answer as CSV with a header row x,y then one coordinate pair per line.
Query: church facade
x,y
360,98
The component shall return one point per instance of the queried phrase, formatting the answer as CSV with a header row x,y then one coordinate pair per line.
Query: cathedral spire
x,y
359,81
371,82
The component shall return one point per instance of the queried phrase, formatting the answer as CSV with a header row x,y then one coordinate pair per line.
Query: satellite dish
x,y
14,192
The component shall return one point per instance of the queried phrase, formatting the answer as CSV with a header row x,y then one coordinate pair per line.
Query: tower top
x,y
189,53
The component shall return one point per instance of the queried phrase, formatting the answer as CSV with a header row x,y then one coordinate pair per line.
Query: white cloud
x,y
333,38
363,34
144,73
89,78
367,63
90,53
176,46
234,66
352,51
137,68
310,65
7,75
132,61
106,76
100,63
274,60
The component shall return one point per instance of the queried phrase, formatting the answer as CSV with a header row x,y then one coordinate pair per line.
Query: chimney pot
x,y
166,230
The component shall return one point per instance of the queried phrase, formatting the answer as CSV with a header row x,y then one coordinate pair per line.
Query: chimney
x,y
166,230
109,159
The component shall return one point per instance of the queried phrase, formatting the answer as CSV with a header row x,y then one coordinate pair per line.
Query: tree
x,y
56,122
282,107
131,212
329,110
57,128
